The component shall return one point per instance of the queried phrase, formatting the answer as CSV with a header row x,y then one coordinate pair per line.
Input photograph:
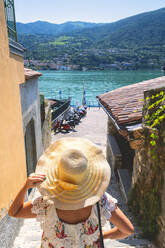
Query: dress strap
x,y
100,227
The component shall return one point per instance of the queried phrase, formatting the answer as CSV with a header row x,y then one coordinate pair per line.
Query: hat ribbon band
x,y
65,185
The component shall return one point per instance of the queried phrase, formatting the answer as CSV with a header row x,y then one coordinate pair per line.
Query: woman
x,y
76,176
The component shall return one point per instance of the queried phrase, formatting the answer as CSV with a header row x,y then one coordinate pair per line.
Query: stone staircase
x,y
30,232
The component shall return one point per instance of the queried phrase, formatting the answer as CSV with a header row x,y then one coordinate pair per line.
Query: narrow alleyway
x,y
93,127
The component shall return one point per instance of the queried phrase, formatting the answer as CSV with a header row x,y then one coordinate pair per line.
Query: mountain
x,y
146,28
138,40
143,28
40,27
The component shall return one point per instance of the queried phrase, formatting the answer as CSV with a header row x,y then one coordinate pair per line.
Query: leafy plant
x,y
154,117
145,195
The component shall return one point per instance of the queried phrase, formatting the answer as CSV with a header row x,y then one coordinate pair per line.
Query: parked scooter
x,y
62,126
73,118
81,111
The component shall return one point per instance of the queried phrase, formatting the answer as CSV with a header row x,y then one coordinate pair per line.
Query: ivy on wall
x,y
154,118
145,196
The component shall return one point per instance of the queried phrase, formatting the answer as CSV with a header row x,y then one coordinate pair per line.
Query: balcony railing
x,y
10,19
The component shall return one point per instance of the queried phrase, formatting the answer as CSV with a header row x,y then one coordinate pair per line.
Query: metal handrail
x,y
58,111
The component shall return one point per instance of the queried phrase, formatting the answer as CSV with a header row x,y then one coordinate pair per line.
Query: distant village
x,y
50,65
65,62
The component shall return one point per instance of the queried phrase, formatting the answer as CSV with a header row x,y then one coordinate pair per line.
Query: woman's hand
x,y
34,180
19,208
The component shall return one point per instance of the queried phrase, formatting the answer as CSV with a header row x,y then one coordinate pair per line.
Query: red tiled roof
x,y
125,104
29,74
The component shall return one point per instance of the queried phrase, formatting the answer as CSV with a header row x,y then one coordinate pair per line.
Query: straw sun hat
x,y
77,173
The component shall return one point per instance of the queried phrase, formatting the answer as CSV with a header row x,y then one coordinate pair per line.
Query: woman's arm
x,y
19,208
123,227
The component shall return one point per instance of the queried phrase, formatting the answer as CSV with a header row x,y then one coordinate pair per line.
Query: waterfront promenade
x,y
92,127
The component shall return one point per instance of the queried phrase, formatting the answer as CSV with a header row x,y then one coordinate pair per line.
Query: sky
x,y
98,11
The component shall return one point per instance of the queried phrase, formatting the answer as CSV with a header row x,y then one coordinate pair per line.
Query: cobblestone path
x,y
93,127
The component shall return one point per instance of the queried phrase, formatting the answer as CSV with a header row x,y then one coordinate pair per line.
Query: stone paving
x,y
93,127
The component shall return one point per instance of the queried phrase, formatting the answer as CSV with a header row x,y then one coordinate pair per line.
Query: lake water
x,y
95,83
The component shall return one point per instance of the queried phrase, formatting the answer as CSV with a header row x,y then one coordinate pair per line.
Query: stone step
x,y
123,244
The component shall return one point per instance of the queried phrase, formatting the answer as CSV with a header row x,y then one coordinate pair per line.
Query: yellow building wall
x,y
12,151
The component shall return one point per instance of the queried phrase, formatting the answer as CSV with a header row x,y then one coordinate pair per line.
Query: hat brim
x,y
96,181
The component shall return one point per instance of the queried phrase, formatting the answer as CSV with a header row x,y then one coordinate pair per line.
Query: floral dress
x,y
58,234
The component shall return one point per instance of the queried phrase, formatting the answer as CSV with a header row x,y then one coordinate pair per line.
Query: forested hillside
x,y
40,27
131,43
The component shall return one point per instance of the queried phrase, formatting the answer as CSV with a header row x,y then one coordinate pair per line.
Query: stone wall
x,y
161,222
147,197
161,236
111,128
30,105
138,164
46,128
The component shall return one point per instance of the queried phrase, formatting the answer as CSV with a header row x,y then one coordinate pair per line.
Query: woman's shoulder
x,y
108,204
40,204
107,199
